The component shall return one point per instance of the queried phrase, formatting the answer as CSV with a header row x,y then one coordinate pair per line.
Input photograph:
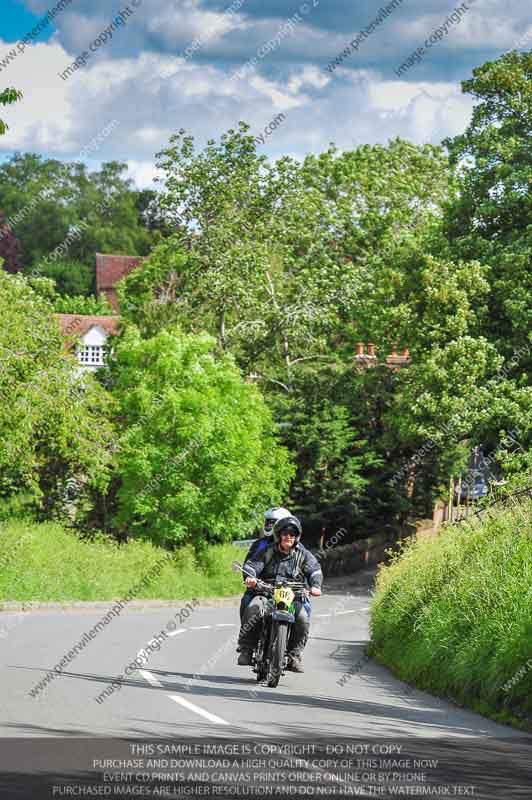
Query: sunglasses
x,y
288,533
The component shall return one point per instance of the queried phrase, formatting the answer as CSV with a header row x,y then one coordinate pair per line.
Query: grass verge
x,y
48,563
452,615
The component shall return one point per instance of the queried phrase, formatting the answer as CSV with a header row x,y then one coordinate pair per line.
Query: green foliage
x,y
8,96
198,454
277,260
53,423
331,423
9,247
45,200
452,613
152,296
70,277
98,306
491,219
287,265
47,563
66,303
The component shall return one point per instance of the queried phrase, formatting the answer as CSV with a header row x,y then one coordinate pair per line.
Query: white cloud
x,y
279,98
143,173
79,30
190,22
476,29
153,95
308,76
148,134
395,95
424,111
43,120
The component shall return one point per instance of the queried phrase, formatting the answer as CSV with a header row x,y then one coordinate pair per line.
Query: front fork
x,y
260,657
259,654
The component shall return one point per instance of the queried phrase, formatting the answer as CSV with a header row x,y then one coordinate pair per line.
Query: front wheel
x,y
277,654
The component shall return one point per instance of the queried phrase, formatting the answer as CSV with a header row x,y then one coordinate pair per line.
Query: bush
x,y
452,614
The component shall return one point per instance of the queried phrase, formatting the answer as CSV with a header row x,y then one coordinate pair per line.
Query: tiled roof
x,y
110,269
80,324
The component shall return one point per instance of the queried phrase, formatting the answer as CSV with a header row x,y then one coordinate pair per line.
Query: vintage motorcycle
x,y
269,659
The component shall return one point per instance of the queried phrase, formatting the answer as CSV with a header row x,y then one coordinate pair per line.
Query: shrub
x,y
452,614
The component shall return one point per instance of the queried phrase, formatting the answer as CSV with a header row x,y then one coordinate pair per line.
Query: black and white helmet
x,y
287,523
271,516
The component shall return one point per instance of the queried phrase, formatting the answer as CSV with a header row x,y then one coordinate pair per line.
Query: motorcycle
x,y
269,659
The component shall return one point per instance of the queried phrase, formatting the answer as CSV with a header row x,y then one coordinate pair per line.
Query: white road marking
x,y
150,678
198,710
226,625
200,627
352,611
174,633
322,615
181,700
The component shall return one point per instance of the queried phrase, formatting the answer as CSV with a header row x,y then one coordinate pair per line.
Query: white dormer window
x,y
90,355
91,349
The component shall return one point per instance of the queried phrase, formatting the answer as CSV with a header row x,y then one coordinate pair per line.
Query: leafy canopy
x,y
53,423
198,453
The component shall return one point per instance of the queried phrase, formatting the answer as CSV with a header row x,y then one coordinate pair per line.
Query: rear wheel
x,y
277,654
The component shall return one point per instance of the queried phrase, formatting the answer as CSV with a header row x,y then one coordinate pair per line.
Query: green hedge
x,y
48,563
452,614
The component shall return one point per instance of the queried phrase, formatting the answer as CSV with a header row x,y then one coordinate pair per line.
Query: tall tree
x,y
491,219
62,214
54,425
275,259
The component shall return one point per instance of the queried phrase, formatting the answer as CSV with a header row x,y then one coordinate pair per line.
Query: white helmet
x,y
271,516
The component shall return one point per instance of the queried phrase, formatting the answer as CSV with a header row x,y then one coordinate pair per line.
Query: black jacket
x,y
298,565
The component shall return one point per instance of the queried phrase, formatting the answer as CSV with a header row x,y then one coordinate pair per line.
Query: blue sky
x,y
17,19
145,81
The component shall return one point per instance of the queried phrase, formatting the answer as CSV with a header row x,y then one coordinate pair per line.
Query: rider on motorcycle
x,y
284,558
265,538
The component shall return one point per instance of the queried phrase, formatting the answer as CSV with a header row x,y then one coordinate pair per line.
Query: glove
x,y
251,582
315,591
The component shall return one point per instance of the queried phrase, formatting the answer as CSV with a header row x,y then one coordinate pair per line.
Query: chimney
x,y
371,350
396,361
360,348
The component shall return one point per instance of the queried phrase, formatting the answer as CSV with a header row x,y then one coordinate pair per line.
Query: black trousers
x,y
252,621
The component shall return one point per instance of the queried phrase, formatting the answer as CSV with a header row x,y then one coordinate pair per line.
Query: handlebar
x,y
297,586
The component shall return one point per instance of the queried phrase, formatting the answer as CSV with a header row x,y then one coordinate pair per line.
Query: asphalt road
x,y
193,687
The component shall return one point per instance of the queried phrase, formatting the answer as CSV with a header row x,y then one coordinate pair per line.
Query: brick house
x,y
89,335
111,269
